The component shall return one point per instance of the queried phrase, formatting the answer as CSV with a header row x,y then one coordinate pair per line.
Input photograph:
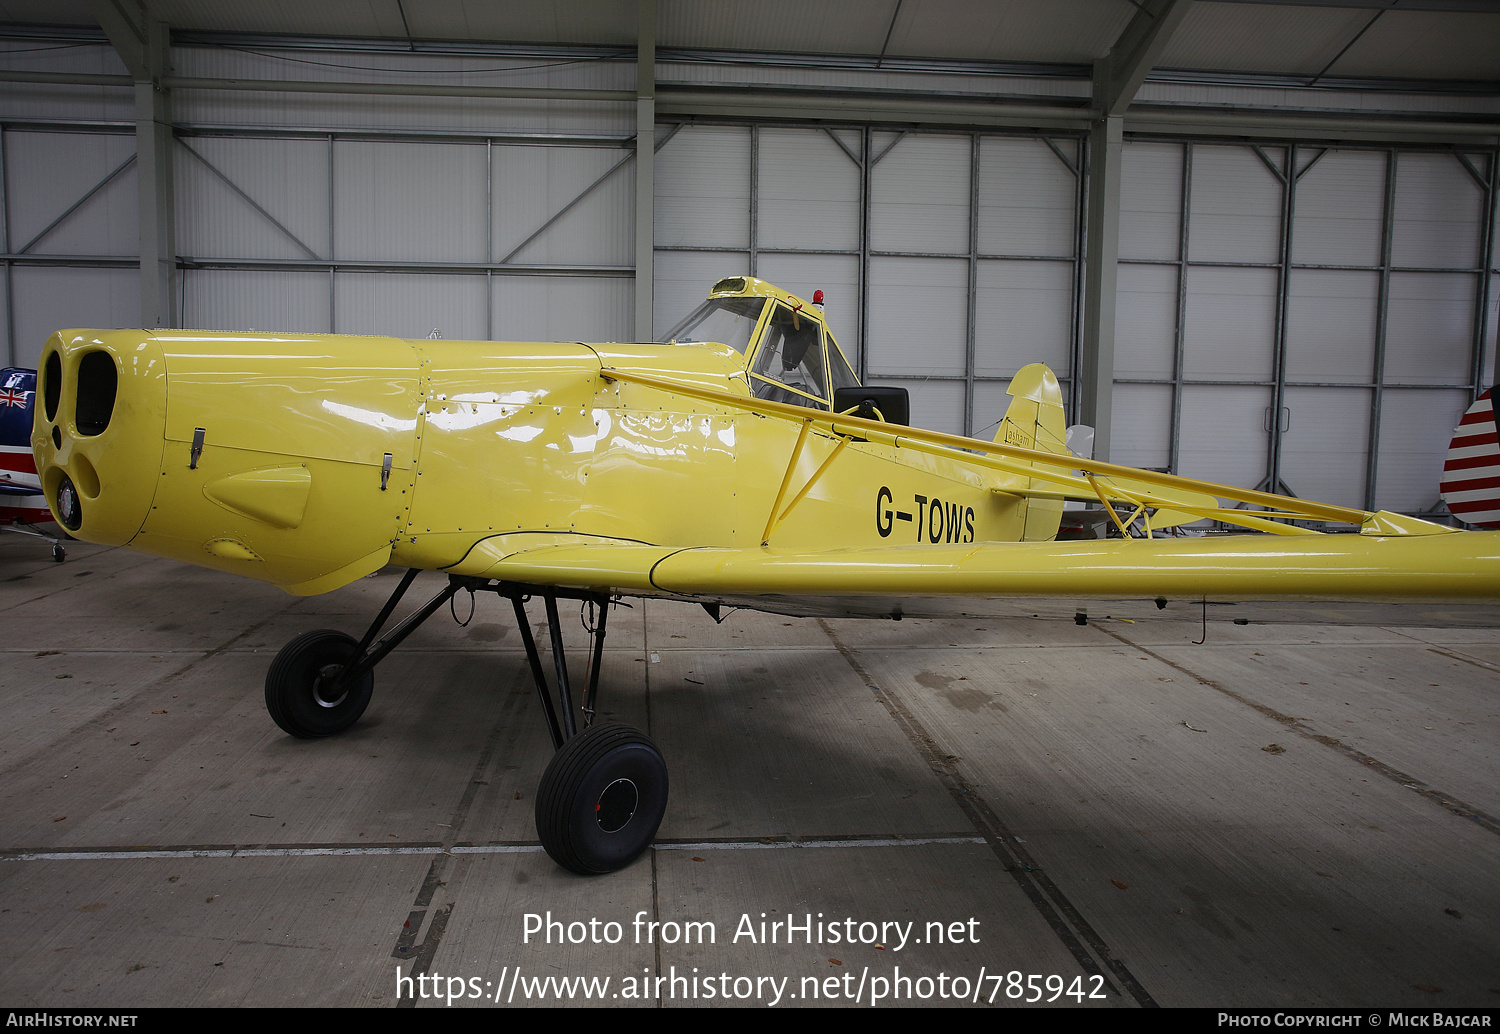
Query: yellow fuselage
x,y
311,460
484,439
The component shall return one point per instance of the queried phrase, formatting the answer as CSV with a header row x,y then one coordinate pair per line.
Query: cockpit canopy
x,y
790,355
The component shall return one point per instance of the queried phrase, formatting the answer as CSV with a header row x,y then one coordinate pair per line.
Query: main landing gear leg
x,y
602,797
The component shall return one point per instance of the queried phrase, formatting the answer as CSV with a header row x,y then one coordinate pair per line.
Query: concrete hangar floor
x,y
1300,811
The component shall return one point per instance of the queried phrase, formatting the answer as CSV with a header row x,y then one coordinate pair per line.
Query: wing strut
x,y
1141,489
773,521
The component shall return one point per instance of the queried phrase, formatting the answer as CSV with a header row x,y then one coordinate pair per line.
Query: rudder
x,y
1035,420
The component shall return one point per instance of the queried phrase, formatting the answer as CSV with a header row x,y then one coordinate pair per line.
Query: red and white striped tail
x,y
1471,474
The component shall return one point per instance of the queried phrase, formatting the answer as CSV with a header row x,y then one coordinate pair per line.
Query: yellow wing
x,y
1455,567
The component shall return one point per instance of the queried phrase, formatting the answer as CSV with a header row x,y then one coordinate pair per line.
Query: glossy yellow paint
x,y
310,460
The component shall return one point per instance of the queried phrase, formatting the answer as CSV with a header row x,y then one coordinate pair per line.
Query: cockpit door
x,y
791,364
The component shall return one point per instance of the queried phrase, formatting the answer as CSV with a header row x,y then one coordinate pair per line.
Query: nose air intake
x,y
51,385
94,404
97,435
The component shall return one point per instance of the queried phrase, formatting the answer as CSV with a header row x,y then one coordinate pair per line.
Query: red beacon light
x,y
818,300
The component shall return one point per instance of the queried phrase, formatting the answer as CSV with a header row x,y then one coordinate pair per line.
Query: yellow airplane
x,y
741,464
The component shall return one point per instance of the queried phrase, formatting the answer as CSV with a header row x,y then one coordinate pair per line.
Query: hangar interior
x,y
1255,239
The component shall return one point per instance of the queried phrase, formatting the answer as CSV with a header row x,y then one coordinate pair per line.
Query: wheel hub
x,y
616,805
326,683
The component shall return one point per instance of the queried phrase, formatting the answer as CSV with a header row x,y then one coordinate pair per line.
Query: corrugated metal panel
x,y
79,103
1229,323
1438,213
990,404
1323,446
340,17
1060,30
409,201
47,12
683,280
577,21
703,189
1150,200
1313,100
532,184
918,317
288,178
1027,197
410,114
1145,321
46,173
421,114
410,305
1330,325
1415,428
1490,374
232,299
1236,205
1141,425
563,308
49,298
1022,314
950,83
1338,216
1430,328
937,405
809,191
1064,30
835,26
364,66
1223,434
920,196
1253,38
72,103
837,276
1427,45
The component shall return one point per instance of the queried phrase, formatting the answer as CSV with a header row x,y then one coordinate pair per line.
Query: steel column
x,y
1382,311
332,251
489,239
862,345
1482,302
1075,322
973,258
645,168
754,197
1179,337
1288,179
154,184
10,295
1101,276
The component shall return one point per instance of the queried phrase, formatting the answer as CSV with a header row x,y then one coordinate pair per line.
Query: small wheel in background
x,y
301,691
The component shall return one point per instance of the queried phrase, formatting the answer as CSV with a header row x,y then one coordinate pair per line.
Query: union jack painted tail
x,y
21,498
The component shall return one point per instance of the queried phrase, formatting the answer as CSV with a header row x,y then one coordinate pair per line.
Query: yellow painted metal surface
x,y
310,460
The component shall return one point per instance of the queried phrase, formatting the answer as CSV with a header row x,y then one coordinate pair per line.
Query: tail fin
x,y
1035,421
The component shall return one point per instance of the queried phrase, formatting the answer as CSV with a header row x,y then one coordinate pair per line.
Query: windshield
x,y
729,321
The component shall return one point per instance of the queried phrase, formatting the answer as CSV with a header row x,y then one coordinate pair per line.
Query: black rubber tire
x,y
593,774
298,676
